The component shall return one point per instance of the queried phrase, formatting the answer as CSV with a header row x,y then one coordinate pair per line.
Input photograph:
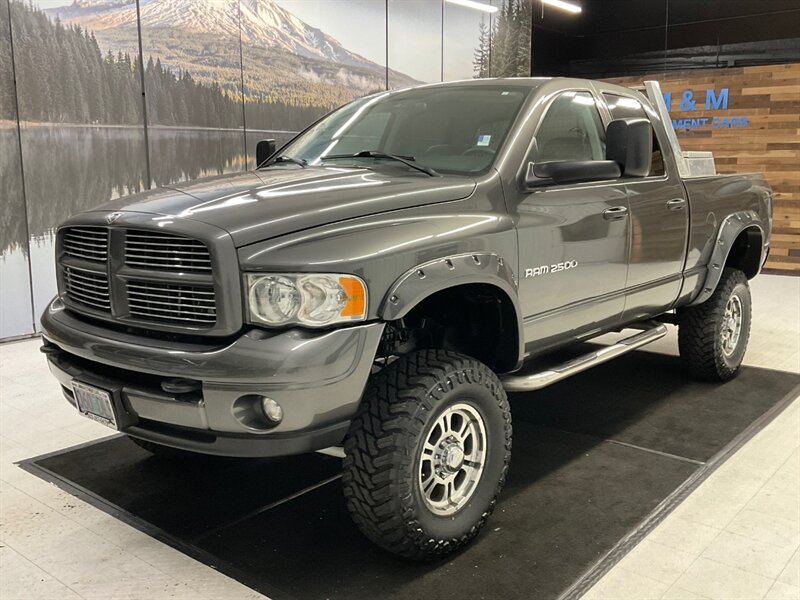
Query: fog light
x,y
272,410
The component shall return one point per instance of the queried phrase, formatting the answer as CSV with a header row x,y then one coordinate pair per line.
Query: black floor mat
x,y
588,465
648,399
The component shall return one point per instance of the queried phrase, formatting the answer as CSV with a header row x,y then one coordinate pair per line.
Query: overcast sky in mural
x,y
365,35
417,20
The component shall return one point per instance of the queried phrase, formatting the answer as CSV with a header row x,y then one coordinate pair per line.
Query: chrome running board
x,y
534,381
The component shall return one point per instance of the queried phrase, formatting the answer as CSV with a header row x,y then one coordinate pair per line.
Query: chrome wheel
x,y
731,325
452,460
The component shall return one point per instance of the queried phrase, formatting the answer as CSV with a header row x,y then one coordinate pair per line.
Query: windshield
x,y
451,130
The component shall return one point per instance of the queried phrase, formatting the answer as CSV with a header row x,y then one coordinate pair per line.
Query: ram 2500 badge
x,y
383,280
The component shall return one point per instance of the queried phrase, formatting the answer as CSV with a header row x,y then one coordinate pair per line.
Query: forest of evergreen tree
x,y
504,49
63,77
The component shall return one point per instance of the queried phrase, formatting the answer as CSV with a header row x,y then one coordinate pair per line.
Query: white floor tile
x,y
659,562
716,580
791,574
783,591
774,503
29,581
748,554
621,584
676,593
786,479
715,505
684,535
770,529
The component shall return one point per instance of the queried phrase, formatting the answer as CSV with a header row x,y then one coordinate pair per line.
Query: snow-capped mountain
x,y
263,24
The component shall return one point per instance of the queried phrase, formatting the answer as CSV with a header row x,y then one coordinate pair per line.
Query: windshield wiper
x,y
284,159
406,160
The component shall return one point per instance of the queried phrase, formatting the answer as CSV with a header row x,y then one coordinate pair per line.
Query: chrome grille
x,y
88,288
86,243
149,278
165,251
168,302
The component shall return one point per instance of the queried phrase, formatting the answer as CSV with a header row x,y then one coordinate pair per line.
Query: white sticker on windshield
x,y
484,140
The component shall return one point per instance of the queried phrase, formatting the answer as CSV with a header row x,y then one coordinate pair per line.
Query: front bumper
x,y
316,377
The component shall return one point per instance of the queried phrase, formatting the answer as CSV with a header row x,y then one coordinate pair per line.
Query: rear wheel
x,y
427,453
713,336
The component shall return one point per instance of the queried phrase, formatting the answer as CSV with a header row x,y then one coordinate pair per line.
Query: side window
x,y
623,107
571,129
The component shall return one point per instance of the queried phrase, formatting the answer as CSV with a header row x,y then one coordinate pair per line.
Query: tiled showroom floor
x,y
736,536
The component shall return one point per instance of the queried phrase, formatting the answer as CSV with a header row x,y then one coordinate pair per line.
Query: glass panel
x,y
80,111
15,290
487,44
510,49
466,42
415,42
313,56
192,80
570,130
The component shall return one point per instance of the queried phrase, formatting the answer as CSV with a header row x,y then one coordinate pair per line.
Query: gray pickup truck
x,y
381,281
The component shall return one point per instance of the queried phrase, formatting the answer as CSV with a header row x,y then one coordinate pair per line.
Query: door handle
x,y
676,204
615,213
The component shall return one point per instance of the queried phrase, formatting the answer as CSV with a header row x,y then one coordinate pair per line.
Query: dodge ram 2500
x,y
381,281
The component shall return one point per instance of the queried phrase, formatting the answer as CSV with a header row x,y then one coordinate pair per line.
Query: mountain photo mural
x,y
293,72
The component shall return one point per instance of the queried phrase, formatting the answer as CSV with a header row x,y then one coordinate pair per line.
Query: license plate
x,y
94,403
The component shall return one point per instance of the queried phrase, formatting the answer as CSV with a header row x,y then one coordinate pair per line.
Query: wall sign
x,y
713,101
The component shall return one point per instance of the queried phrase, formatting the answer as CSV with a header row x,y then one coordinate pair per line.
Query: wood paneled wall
x,y
769,96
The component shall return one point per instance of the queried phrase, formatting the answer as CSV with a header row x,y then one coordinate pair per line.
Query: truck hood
x,y
259,205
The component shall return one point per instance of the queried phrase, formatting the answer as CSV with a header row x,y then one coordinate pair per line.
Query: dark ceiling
x,y
616,28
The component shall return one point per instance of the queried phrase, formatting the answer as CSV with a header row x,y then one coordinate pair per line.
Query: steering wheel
x,y
478,150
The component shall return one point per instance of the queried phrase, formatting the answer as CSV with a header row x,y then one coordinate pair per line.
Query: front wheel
x,y
427,453
713,336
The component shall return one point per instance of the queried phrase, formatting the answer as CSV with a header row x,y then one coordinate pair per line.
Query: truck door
x,y
573,238
659,219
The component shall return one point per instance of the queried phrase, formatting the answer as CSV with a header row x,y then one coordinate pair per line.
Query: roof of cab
x,y
522,82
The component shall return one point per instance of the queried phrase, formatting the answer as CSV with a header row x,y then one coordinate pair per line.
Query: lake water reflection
x,y
71,169
15,294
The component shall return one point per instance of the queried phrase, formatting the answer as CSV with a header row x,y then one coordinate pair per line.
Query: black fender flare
x,y
730,228
426,279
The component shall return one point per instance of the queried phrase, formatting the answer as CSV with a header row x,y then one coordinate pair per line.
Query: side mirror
x,y
264,149
571,171
629,142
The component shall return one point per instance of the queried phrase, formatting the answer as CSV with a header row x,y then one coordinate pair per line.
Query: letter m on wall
x,y
717,102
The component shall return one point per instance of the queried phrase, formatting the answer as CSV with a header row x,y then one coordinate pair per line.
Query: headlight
x,y
310,299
